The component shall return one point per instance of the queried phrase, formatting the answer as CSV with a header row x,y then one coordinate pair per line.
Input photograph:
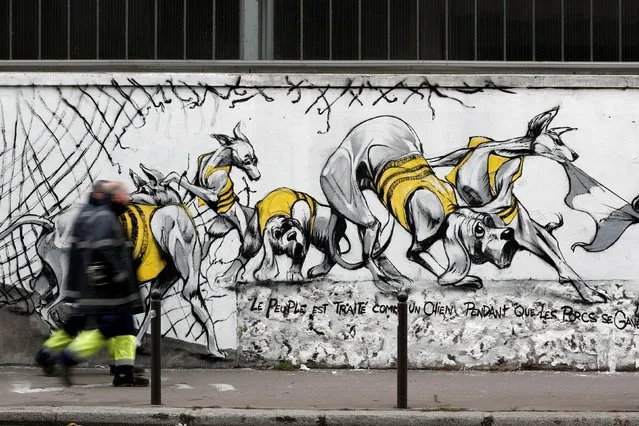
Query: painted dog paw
x,y
294,276
264,276
226,281
318,271
593,296
470,281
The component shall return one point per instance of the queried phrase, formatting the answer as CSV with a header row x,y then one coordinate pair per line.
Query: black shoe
x,y
48,367
130,381
136,370
65,375
47,363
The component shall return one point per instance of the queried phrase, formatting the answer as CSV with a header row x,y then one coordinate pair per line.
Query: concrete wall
x,y
61,131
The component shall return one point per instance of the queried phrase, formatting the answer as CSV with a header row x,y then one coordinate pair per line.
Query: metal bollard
x,y
402,349
156,356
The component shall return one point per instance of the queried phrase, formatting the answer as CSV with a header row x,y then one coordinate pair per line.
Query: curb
x,y
163,416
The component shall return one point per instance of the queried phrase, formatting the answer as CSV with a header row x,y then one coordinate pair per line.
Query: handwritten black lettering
x,y
485,311
622,321
257,306
354,308
384,309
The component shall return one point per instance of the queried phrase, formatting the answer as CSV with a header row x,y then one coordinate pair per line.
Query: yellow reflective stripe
x,y
86,344
400,178
123,349
475,141
58,340
137,221
494,163
227,195
393,169
312,205
510,212
452,175
418,174
280,202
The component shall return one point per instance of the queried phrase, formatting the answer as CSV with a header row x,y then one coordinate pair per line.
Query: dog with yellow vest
x,y
287,222
384,155
487,169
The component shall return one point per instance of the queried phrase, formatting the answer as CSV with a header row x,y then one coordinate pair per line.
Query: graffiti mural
x,y
279,220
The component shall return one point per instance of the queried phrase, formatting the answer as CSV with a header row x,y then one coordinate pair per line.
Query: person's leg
x,y
87,344
48,354
110,348
123,349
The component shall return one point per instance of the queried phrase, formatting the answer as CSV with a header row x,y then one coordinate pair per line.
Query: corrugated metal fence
x,y
342,30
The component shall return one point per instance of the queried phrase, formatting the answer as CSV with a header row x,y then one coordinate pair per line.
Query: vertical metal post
x,y
155,30
156,355
388,29
265,29
68,29
184,31
39,29
10,29
126,29
250,29
330,30
505,30
417,28
620,31
563,31
402,350
214,29
592,33
301,30
97,29
446,29
476,35
534,29
359,29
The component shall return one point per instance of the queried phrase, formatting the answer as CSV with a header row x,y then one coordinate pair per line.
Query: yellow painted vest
x,y
146,252
494,163
400,178
227,196
280,201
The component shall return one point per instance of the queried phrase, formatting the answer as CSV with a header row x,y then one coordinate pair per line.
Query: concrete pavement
x,y
247,396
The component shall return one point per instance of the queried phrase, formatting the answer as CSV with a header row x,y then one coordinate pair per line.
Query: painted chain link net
x,y
54,142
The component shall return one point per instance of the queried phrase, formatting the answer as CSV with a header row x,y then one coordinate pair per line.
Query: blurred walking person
x,y
102,284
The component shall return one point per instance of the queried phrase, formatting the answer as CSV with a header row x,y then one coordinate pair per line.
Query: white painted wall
x,y
293,133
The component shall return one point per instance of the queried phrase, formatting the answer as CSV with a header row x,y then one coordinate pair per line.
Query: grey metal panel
x,y
446,29
563,31
534,34
620,30
155,30
126,29
10,29
39,29
317,67
97,29
592,32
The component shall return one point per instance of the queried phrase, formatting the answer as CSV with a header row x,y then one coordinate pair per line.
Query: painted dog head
x,y
473,237
547,142
286,236
154,190
243,154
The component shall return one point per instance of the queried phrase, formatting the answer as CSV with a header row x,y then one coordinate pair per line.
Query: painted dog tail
x,y
336,254
551,226
27,219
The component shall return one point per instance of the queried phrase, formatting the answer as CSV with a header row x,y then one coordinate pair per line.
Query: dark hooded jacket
x,y
101,277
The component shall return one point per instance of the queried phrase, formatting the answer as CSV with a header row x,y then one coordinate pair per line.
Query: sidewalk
x,y
235,396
